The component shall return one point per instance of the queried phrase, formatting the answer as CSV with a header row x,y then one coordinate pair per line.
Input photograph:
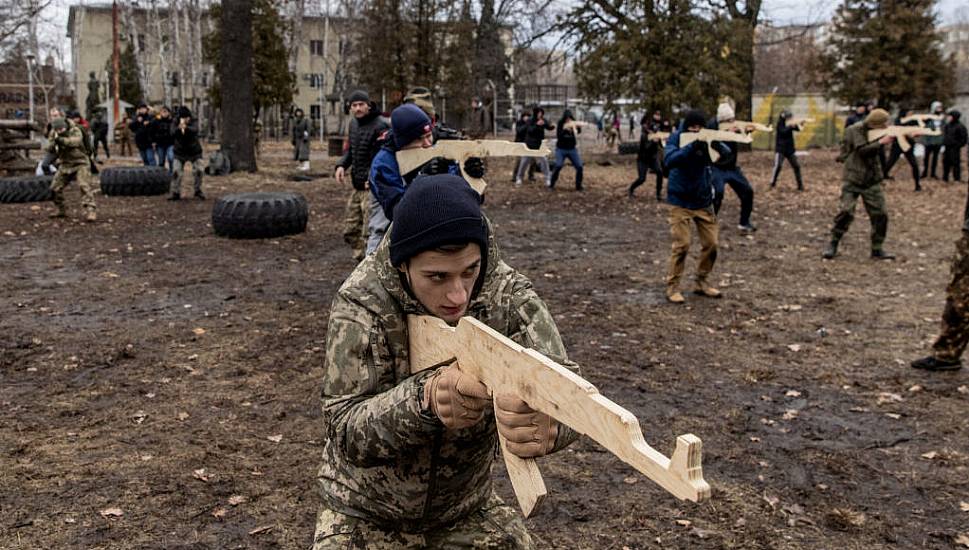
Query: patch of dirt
x,y
153,373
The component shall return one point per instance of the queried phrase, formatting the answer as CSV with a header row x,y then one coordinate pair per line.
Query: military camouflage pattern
x,y
355,222
955,318
72,164
385,460
494,526
874,199
862,167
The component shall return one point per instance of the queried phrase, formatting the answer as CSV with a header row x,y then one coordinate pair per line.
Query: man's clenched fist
x,y
529,433
457,399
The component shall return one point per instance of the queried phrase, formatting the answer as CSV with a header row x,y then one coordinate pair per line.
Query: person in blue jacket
x,y
690,193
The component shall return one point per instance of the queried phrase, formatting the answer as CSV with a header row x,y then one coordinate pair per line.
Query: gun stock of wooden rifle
x,y
461,150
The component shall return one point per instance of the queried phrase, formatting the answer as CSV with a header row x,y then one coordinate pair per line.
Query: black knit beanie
x,y
409,122
437,211
358,95
694,117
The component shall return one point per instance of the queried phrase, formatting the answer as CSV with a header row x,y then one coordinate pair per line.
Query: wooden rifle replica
x,y
461,150
661,137
920,118
901,134
799,122
710,136
507,368
745,126
574,125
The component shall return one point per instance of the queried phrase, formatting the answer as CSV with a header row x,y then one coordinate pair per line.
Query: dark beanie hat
x,y
436,211
358,95
694,117
184,112
409,122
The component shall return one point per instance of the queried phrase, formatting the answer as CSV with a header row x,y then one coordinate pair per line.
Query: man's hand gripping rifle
x,y
709,136
901,134
461,151
507,368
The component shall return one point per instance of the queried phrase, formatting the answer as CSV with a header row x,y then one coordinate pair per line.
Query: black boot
x,y
931,363
881,255
175,197
831,251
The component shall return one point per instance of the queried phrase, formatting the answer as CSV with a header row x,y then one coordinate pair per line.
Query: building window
x,y
315,112
316,47
316,80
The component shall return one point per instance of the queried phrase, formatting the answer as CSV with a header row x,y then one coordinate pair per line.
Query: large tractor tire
x,y
25,189
628,147
259,215
131,181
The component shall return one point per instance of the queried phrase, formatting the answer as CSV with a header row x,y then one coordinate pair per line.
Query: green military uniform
x,y
862,176
392,476
73,163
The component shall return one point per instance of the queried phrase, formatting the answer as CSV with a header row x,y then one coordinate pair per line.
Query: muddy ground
x,y
153,370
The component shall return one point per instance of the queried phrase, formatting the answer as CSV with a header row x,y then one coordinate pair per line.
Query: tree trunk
x,y
236,67
162,50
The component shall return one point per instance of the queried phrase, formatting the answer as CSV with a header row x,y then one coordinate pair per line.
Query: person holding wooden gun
x,y
407,458
73,163
566,147
534,137
862,176
727,172
897,150
648,154
954,138
690,194
786,149
186,148
933,144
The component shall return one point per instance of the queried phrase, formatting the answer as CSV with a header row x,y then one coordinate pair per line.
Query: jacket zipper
x,y
432,477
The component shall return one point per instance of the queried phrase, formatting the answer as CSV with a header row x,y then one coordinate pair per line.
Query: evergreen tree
x,y
458,79
887,50
489,61
128,76
273,84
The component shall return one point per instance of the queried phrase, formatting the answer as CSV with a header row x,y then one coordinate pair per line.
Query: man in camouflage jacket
x,y
398,470
67,142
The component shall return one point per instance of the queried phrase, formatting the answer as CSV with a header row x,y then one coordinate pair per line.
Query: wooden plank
x,y
8,124
505,367
23,145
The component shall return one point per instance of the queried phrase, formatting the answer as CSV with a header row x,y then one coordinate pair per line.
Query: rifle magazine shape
x,y
461,150
507,368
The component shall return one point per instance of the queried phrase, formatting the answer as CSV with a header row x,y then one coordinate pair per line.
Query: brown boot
x,y
91,216
703,289
674,296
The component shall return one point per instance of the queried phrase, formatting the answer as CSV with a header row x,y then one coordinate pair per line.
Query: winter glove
x,y
435,166
306,135
529,433
457,399
474,167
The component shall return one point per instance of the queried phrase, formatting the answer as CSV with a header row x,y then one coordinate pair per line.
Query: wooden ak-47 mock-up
x,y
575,125
799,122
461,150
661,137
920,118
709,136
901,134
745,126
508,368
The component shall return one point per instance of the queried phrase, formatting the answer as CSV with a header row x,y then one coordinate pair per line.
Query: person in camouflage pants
x,y
407,457
862,176
948,347
67,142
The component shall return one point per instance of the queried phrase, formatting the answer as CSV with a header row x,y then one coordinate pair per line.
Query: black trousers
x,y
779,163
738,182
909,156
933,152
951,163
643,166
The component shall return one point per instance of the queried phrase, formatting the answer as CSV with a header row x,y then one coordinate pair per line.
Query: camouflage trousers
x,y
355,222
495,526
955,317
179,165
67,174
874,199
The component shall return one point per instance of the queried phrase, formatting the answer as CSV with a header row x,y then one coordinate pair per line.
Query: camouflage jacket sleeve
x,y
537,330
858,142
366,412
71,138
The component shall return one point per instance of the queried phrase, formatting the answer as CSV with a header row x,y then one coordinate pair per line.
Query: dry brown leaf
x,y
794,347
262,529
790,414
772,501
963,540
201,475
275,438
199,331
139,416
930,455
183,416
684,522
236,500
111,513
916,388
963,389
885,397
842,518
630,480
219,512
792,393
964,506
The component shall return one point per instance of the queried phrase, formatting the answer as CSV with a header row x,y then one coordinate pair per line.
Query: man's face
x,y
861,109
442,281
165,113
694,128
423,142
657,117
526,118
949,119
359,108
56,113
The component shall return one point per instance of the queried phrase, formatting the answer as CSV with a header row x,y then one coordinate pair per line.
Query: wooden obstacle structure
x,y
15,144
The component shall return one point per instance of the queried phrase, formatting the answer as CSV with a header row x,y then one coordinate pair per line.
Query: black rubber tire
x,y
25,189
628,147
259,215
131,181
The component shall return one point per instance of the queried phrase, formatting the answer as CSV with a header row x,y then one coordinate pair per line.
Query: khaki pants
x,y
355,222
67,174
708,232
495,526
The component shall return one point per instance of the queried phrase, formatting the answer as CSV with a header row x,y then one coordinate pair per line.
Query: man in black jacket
x,y
954,138
521,128
161,136
99,133
785,149
727,172
565,148
897,150
534,136
647,157
141,128
366,128
186,148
